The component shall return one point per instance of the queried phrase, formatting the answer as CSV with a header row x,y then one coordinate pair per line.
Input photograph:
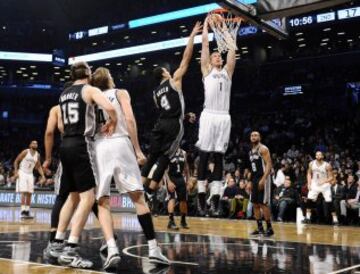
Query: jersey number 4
x,y
164,102
70,113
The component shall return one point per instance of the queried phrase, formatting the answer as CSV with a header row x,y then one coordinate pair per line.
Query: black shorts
x,y
76,159
166,137
260,196
180,189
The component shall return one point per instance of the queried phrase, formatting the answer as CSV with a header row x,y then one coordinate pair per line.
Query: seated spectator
x,y
279,177
337,193
229,205
285,196
2,177
352,196
243,199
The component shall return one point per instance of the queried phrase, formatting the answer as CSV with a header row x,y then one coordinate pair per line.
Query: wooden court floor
x,y
210,246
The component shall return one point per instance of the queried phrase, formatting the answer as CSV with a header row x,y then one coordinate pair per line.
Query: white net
x,y
225,27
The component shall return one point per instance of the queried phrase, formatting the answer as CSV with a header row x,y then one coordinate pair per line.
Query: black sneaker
x,y
184,225
306,221
23,214
257,232
172,226
269,232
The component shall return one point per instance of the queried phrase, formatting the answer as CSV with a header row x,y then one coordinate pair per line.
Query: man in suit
x,y
337,194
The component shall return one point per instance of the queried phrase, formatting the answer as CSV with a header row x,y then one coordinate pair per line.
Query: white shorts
x,y
25,182
214,131
316,189
115,157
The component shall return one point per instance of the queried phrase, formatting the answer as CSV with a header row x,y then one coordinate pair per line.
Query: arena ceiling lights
x,y
169,44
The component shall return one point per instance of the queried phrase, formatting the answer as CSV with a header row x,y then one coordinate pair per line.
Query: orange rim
x,y
222,11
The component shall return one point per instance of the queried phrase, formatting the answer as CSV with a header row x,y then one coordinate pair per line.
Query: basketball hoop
x,y
225,26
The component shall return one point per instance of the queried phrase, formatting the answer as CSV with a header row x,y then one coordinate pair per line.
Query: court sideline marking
x,y
126,250
345,269
77,270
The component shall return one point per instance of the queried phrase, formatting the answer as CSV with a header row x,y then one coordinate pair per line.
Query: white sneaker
x,y
54,249
70,257
156,257
112,261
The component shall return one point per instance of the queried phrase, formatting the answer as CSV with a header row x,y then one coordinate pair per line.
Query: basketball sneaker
x,y
112,261
70,257
156,257
172,225
184,225
257,232
269,232
54,249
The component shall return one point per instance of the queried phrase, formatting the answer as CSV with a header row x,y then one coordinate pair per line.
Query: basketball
x,y
216,19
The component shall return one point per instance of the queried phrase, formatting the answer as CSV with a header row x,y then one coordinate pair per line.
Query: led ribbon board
x,y
169,44
24,56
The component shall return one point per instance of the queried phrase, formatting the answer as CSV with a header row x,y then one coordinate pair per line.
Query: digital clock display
x,y
301,21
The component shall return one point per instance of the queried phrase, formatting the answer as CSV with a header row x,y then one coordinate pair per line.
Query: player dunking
x,y
118,157
77,104
260,169
168,130
176,185
24,166
319,179
215,120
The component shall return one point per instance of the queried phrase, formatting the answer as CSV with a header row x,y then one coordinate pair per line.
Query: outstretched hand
x,y
197,28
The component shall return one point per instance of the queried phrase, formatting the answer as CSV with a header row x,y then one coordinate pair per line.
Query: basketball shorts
x,y
180,189
214,131
261,196
25,182
78,166
166,136
316,189
115,157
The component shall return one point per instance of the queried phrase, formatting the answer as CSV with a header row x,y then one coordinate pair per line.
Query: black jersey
x,y
177,165
257,163
78,116
169,101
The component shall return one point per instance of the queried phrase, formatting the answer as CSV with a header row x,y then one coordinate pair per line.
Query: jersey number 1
x,y
71,113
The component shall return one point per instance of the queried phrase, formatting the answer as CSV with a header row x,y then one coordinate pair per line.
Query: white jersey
x,y
318,173
121,128
28,163
217,85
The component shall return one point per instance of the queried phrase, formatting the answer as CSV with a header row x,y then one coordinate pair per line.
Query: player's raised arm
x,y
230,62
51,126
125,102
205,51
180,72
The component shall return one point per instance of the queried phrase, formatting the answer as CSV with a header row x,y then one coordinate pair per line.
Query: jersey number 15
x,y
70,113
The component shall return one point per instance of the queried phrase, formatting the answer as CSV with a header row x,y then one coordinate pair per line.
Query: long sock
x,y
216,200
147,225
268,225
52,235
23,208
183,218
308,215
171,217
112,247
73,241
60,237
260,226
335,219
202,200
